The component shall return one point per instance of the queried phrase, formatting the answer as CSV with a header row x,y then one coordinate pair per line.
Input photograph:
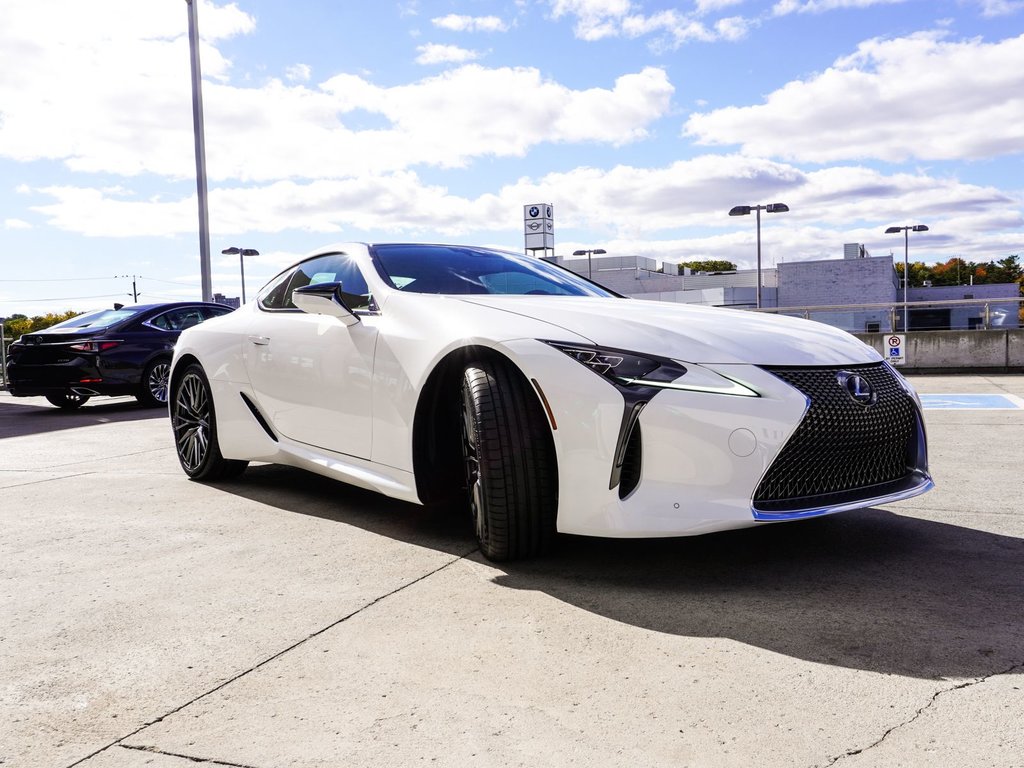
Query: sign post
x,y
896,346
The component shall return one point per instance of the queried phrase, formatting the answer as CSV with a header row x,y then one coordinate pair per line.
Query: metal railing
x,y
955,314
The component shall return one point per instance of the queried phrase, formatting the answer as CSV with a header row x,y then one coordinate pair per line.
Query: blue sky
x,y
641,122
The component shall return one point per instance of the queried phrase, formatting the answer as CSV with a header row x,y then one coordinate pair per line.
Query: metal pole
x,y
906,277
759,257
590,271
3,351
200,142
241,263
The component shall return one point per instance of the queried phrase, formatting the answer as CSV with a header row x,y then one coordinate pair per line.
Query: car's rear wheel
x,y
509,463
194,422
69,401
154,387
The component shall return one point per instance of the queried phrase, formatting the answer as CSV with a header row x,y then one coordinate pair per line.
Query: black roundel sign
x,y
534,212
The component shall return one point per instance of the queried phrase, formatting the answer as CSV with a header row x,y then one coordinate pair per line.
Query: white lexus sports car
x,y
439,373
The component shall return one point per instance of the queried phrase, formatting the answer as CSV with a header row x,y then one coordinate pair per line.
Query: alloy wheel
x,y
159,377
192,422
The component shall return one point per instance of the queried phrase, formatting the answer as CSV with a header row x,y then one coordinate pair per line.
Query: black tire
x,y
154,387
69,401
509,460
195,429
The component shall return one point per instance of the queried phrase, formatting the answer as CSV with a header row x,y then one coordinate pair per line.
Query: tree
x,y
16,324
710,265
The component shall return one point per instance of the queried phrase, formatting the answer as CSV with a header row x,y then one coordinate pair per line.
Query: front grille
x,y
842,451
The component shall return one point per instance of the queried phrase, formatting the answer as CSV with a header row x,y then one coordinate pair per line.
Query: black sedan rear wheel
x,y
194,422
69,401
509,463
153,388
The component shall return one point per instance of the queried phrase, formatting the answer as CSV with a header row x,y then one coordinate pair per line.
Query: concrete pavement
x,y
286,620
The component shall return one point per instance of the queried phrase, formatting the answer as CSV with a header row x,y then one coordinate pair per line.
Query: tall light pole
x,y
200,142
588,253
906,263
242,253
744,210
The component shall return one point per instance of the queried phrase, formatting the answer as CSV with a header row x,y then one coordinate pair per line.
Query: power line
x,y
73,298
59,279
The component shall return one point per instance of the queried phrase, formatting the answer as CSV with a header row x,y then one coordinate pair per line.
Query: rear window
x,y
102,318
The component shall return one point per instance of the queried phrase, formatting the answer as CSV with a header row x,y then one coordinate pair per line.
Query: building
x,y
220,298
829,284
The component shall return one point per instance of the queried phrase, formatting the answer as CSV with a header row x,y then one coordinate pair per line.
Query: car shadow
x,y
869,590
31,416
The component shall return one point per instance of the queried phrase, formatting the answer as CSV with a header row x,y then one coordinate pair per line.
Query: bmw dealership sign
x,y
539,226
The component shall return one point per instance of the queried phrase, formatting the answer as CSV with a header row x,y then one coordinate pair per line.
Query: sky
x,y
642,122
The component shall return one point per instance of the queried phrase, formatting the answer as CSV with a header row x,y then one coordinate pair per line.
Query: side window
x,y
335,267
178,319
216,311
161,322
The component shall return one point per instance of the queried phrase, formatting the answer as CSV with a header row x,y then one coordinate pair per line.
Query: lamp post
x,y
200,147
588,252
743,210
906,263
242,253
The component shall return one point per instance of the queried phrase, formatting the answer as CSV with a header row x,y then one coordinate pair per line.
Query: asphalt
x,y
286,620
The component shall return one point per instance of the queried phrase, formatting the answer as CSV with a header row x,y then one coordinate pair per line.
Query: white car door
x,y
311,374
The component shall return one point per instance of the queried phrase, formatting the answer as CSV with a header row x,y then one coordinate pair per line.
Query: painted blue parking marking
x,y
961,402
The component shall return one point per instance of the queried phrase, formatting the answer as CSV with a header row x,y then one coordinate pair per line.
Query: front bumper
x,y
703,455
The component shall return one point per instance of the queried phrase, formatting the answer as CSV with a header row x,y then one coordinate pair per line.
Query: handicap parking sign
x,y
895,343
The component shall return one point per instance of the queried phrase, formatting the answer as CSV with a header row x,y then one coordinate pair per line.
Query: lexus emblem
x,y
858,388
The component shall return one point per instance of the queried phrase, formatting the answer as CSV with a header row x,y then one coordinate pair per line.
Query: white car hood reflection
x,y
689,333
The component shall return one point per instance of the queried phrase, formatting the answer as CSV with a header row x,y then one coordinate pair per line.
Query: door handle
x,y
260,340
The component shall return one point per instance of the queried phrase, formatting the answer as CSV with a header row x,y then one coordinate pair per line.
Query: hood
x,y
688,332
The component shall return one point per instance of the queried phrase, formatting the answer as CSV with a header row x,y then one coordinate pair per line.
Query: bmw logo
x,y
858,388
534,212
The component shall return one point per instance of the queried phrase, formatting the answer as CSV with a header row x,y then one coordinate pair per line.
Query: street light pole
x,y
744,210
906,264
242,253
588,253
200,144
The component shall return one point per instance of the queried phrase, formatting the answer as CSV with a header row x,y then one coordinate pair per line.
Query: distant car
x,y
434,373
121,351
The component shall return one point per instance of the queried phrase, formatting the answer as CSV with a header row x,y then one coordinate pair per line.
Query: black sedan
x,y
122,351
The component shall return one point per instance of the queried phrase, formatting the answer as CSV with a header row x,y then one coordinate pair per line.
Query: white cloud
x,y
298,73
990,8
626,205
598,19
785,7
16,224
893,99
432,53
595,19
456,23
130,104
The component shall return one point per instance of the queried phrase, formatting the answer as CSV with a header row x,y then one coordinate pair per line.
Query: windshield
x,y
102,318
454,269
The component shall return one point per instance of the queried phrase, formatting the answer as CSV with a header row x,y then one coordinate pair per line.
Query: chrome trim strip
x,y
924,486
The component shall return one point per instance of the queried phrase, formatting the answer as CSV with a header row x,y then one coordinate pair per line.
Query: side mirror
x,y
324,299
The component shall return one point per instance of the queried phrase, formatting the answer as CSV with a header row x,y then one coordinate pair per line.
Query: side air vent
x,y
632,463
258,416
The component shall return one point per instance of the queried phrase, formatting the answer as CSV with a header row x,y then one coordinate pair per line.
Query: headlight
x,y
629,369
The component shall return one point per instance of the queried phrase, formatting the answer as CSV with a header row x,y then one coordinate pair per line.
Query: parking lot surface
x,y
286,620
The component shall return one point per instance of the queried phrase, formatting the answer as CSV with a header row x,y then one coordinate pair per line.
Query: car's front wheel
x,y
69,401
509,462
153,388
194,422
